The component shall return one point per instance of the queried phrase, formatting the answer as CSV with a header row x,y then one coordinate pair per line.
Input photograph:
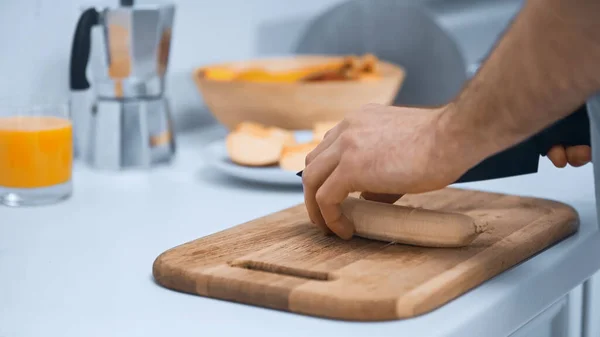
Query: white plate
x,y
215,154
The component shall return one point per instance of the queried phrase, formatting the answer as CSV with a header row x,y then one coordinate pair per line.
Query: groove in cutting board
x,y
282,261
282,270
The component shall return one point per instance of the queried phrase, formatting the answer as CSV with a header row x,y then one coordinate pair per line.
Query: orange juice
x,y
35,151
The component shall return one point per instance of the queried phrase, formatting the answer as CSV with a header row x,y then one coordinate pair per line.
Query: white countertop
x,y
83,267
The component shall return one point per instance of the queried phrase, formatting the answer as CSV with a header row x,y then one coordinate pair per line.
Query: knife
x,y
524,157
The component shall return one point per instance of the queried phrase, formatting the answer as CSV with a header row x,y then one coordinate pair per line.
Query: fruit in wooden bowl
x,y
296,92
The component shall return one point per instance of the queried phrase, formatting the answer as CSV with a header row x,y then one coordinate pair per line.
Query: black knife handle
x,y
570,131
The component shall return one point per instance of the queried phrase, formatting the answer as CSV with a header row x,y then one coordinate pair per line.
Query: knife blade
x,y
524,157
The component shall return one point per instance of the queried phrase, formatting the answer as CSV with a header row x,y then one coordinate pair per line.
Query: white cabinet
x,y
575,315
591,305
562,319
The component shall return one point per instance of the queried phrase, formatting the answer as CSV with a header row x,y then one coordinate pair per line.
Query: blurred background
x,y
37,37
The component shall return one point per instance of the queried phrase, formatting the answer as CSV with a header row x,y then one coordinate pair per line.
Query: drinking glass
x,y
36,154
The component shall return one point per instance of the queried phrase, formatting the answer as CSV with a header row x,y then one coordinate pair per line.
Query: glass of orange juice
x,y
36,154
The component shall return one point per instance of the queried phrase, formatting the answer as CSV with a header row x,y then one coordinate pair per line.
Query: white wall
x,y
35,42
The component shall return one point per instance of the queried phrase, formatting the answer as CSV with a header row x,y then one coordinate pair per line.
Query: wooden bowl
x,y
294,105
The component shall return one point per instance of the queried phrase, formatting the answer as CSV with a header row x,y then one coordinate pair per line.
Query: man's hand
x,y
575,156
386,151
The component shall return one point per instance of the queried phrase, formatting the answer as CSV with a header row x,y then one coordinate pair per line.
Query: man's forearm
x,y
545,66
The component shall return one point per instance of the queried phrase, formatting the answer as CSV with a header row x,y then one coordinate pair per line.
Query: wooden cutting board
x,y
282,261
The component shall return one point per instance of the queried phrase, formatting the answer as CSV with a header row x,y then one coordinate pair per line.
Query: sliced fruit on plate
x,y
253,144
293,155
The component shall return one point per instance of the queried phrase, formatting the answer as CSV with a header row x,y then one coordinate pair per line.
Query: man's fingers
x,y
578,155
381,197
313,176
329,138
329,197
558,156
574,155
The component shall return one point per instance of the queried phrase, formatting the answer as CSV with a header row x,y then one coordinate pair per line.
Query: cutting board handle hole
x,y
282,270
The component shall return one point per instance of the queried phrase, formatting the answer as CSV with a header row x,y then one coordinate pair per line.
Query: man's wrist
x,y
540,71
462,141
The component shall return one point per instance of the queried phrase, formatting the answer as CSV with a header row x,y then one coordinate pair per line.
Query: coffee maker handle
x,y
80,50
